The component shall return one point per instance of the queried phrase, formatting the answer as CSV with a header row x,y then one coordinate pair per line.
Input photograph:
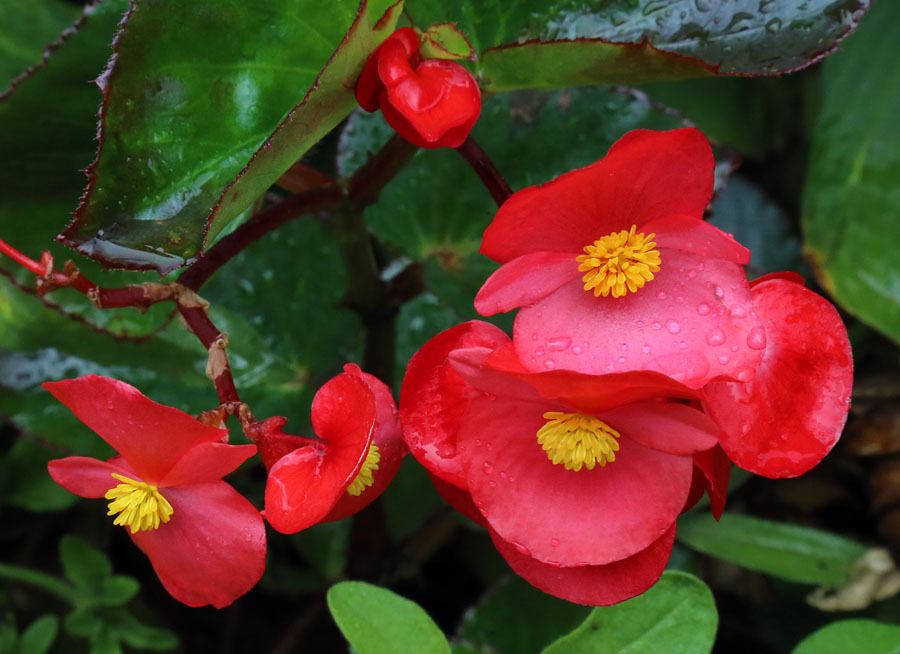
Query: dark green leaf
x,y
324,546
786,551
83,565
538,618
116,590
676,616
25,481
533,44
378,621
26,28
39,635
409,500
857,636
196,90
851,201
142,637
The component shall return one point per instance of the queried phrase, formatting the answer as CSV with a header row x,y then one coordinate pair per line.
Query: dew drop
x,y
661,295
621,359
756,339
773,25
682,345
477,442
645,349
624,347
703,308
737,311
715,336
700,266
521,549
538,314
745,429
734,348
679,299
488,467
723,359
492,483
577,349
489,446
719,293
559,343
656,325
691,274
745,375
554,542
539,352
549,364
639,324
673,326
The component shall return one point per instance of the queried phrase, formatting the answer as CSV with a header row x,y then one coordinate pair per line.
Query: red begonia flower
x,y
432,103
670,294
357,456
209,545
784,421
571,516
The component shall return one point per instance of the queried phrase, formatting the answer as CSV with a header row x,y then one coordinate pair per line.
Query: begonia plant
x,y
597,266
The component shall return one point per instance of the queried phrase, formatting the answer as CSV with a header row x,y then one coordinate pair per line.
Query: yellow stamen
x,y
618,263
365,478
140,506
577,440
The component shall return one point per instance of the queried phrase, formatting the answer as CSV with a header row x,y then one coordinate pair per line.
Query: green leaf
x,y
785,551
83,565
324,546
676,616
25,481
140,636
538,618
851,201
116,590
26,28
195,91
445,41
534,44
378,621
39,635
857,636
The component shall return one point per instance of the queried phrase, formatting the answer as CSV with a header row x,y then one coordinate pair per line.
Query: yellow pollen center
x,y
365,478
140,506
577,440
618,263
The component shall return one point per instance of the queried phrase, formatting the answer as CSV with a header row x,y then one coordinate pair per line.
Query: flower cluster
x,y
432,103
642,362
206,542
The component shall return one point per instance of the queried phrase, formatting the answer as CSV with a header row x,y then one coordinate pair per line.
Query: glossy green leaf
x,y
198,89
786,551
538,618
676,616
857,636
533,44
39,635
378,621
851,202
26,28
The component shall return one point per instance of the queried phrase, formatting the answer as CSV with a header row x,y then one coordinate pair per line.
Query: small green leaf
x,y
83,565
538,618
445,41
39,636
378,621
25,480
851,200
141,636
785,551
857,636
676,616
117,590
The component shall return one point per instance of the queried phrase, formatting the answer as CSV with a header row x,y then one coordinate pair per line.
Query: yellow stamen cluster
x,y
140,506
577,440
365,478
618,263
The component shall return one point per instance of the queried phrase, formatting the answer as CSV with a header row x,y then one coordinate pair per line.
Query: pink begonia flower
x,y
579,478
616,271
359,453
205,541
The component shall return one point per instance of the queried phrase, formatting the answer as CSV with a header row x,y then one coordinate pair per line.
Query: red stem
x,y
486,170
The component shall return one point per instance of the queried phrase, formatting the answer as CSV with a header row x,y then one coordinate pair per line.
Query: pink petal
x,y
665,426
595,585
434,398
789,417
213,550
525,280
585,517
646,175
694,322
87,477
150,436
207,462
695,236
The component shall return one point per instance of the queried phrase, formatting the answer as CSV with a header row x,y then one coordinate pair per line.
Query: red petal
x,y
273,443
595,585
87,477
664,426
304,485
703,304
434,398
369,84
646,175
150,436
789,417
716,470
391,448
207,462
584,517
525,280
213,550
694,236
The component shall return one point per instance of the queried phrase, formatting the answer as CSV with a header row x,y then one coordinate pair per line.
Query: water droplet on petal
x,y
715,336
645,349
673,326
656,325
756,339
554,542
661,295
703,308
521,549
559,343
745,375
550,364
723,359
492,483
737,311
487,467
621,359
745,429
539,352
